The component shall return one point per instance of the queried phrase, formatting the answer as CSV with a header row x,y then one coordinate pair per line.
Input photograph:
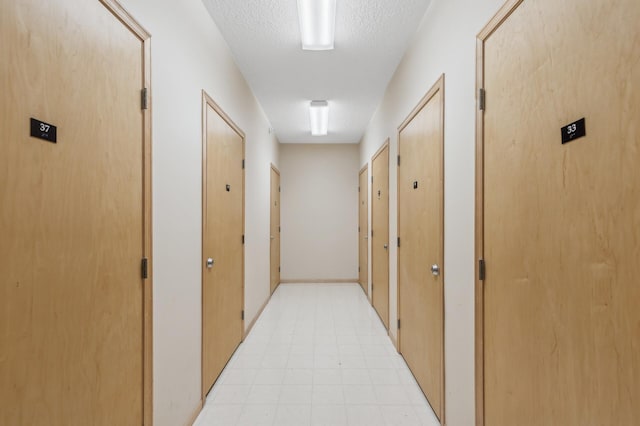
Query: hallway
x,y
319,212
318,355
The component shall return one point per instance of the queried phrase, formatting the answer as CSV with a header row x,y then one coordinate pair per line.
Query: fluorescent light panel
x,y
319,115
317,23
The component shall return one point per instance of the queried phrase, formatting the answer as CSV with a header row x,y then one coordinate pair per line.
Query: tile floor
x,y
318,355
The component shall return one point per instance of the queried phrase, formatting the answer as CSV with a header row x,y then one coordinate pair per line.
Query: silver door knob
x,y
273,238
435,270
386,246
210,263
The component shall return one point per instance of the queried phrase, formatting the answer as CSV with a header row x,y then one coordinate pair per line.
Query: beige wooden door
x,y
380,233
222,242
363,230
275,228
562,221
72,216
420,255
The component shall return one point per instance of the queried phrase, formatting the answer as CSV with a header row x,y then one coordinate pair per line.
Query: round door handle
x,y
210,263
435,270
386,246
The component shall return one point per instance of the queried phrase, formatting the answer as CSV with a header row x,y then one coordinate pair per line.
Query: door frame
x,y
120,13
364,168
501,16
369,244
275,169
438,86
208,101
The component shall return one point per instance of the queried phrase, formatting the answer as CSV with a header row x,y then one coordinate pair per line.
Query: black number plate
x,y
573,131
42,130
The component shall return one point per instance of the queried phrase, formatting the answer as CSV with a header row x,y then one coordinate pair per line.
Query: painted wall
x,y
319,211
189,55
444,43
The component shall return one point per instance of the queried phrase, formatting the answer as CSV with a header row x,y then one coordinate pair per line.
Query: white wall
x,y
319,211
188,55
445,43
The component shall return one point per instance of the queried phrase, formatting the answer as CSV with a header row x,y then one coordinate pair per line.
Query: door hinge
x,y
279,189
482,95
243,163
398,324
144,98
279,229
242,238
278,269
145,268
242,315
371,179
358,229
372,233
398,241
398,160
358,269
358,189
482,269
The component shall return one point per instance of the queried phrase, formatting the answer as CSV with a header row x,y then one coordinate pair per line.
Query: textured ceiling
x,y
371,37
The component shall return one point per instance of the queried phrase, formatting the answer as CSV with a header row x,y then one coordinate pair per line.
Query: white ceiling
x,y
371,37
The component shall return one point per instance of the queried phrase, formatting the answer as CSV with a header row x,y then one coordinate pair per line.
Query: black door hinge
x,y
358,189
482,99
372,233
358,269
358,229
242,316
145,268
398,324
398,241
144,98
278,269
398,160
279,229
279,189
243,163
482,269
242,238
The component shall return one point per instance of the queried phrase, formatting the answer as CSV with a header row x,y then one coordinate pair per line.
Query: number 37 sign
x,y
42,130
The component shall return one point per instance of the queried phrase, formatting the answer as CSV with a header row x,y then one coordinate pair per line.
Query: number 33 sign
x,y
573,131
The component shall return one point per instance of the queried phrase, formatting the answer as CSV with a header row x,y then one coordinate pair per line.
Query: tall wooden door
x,y
380,233
222,241
74,215
421,250
561,220
363,230
275,228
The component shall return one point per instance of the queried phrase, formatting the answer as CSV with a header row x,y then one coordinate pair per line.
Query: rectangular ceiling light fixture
x,y
317,23
319,114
